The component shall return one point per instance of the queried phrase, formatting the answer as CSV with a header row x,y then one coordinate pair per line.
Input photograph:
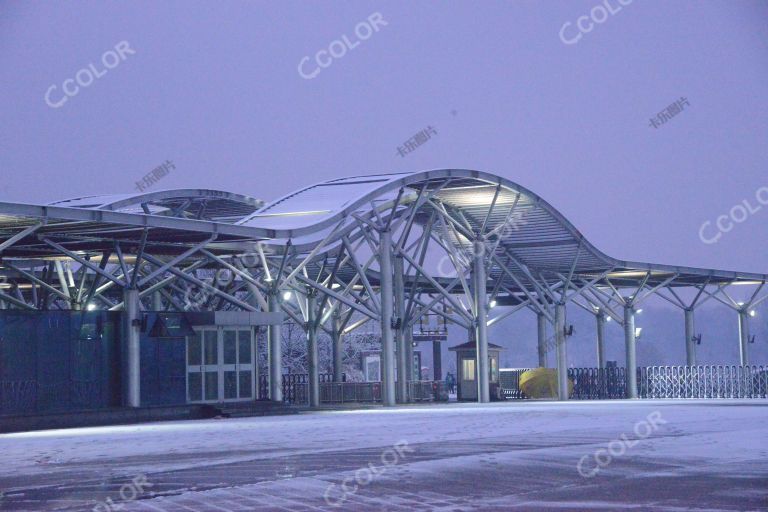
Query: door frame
x,y
220,367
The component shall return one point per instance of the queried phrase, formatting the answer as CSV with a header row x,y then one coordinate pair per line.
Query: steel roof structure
x,y
387,247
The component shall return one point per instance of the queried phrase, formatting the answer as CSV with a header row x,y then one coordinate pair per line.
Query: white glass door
x,y
220,365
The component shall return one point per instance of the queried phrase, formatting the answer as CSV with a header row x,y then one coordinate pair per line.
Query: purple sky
x,y
214,87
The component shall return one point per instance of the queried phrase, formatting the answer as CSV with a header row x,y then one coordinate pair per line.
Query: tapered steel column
x,y
562,355
275,352
338,347
132,316
312,363
744,337
690,343
541,324
386,293
481,321
402,351
600,317
630,347
409,352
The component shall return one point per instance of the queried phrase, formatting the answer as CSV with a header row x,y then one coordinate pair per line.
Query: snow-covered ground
x,y
653,455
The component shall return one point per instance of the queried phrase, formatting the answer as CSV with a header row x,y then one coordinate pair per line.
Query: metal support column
x,y
744,337
132,318
560,352
409,351
481,321
402,351
338,347
630,347
437,360
312,362
600,317
275,353
541,322
157,301
386,293
690,343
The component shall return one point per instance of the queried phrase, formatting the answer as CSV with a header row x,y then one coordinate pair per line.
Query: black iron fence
x,y
705,381
295,386
296,390
598,383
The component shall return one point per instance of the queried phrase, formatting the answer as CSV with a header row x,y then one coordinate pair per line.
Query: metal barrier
x,y
716,381
598,383
296,390
509,381
345,392
295,387
706,381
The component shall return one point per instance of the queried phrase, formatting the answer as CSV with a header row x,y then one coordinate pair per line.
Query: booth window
x,y
494,364
468,369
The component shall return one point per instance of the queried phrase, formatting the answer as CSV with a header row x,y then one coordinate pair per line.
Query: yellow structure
x,y
541,383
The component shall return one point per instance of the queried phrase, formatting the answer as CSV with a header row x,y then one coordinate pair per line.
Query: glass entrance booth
x,y
201,357
466,364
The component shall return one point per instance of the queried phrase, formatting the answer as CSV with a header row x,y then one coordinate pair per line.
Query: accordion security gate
x,y
706,381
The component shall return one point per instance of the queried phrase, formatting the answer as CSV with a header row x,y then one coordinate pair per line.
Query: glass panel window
x,y
211,348
193,350
244,342
230,347
494,365
245,384
468,369
211,385
372,369
195,384
230,385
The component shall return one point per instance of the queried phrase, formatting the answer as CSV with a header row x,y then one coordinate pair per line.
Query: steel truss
x,y
332,257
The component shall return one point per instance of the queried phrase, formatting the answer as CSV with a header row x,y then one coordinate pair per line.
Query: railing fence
x,y
704,381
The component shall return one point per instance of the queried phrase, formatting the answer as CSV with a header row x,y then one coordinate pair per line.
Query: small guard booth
x,y
466,364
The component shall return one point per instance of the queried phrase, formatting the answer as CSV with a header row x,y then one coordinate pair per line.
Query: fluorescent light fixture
x,y
638,331
752,312
608,319
492,303
287,295
91,306
639,311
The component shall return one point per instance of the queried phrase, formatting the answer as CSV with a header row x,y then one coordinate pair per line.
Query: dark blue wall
x,y
163,367
59,360
73,360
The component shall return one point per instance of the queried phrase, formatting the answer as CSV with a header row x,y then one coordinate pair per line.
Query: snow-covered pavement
x,y
641,455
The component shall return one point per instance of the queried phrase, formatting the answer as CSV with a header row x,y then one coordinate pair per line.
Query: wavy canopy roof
x,y
201,204
527,233
530,231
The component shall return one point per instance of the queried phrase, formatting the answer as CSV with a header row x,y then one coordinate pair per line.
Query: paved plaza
x,y
642,455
